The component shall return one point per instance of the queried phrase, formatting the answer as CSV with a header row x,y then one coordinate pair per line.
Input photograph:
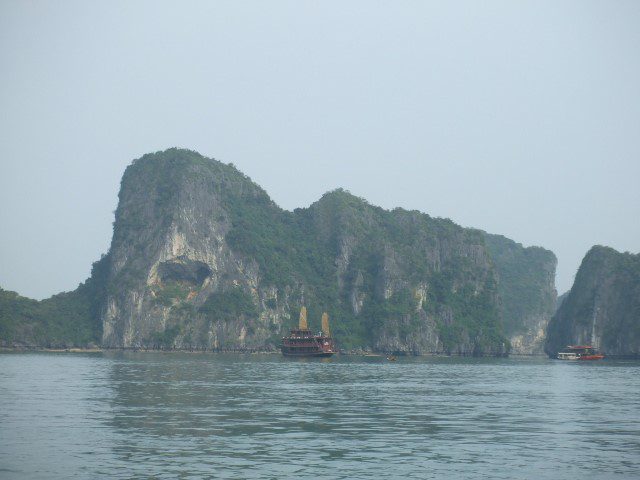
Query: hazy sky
x,y
519,118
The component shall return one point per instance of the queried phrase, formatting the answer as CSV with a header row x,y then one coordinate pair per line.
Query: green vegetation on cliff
x,y
70,319
230,305
526,282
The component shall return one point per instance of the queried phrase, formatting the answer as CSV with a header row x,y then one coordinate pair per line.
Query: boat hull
x,y
591,357
307,354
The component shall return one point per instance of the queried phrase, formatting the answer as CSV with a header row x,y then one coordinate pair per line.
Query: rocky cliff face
x,y
603,306
407,282
202,258
526,285
169,256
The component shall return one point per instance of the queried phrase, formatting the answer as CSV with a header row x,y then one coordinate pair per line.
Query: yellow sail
x,y
303,319
325,325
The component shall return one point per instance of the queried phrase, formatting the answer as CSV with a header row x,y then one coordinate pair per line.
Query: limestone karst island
x,y
202,259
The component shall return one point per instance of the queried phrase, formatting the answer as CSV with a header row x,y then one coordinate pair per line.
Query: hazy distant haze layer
x,y
520,119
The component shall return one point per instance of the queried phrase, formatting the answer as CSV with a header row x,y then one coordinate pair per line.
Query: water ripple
x,y
262,416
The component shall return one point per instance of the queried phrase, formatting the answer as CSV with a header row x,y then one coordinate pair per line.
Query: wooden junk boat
x,y
302,342
580,352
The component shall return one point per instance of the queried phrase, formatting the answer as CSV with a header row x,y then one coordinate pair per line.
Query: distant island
x,y
603,306
202,259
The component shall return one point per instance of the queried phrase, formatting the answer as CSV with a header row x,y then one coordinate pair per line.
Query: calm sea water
x,y
152,415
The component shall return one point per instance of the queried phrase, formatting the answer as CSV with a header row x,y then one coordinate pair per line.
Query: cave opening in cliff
x,y
183,271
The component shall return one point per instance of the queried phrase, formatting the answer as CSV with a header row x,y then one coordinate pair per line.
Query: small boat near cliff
x,y
302,342
580,352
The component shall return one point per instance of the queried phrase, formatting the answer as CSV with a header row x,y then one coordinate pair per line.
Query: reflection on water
x,y
262,416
